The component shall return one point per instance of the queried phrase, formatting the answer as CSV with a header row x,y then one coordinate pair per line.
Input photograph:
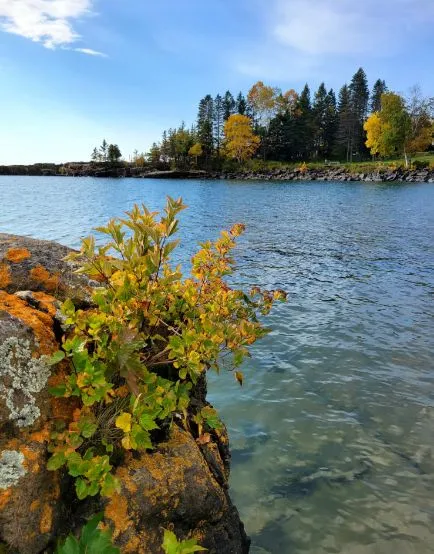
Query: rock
x,y
180,485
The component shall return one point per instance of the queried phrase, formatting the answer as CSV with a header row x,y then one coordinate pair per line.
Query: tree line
x,y
106,153
292,126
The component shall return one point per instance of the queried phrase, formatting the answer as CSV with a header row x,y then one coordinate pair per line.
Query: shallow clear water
x,y
333,433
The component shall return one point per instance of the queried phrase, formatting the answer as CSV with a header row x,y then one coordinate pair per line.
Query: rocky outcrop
x,y
181,485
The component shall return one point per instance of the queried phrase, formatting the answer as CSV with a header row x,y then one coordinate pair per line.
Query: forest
x,y
354,125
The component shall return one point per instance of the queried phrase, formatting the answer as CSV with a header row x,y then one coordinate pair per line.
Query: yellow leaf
x,y
239,377
124,422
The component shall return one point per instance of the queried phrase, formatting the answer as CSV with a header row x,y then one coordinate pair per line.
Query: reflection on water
x,y
333,433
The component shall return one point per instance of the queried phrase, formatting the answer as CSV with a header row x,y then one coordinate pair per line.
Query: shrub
x,y
92,540
420,164
150,336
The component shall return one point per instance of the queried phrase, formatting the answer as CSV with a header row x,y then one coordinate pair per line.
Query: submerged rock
x,y
181,485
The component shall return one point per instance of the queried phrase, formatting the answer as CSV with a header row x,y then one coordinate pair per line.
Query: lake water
x,y
333,432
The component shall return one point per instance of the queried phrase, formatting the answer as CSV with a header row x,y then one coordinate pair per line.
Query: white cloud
x,y
302,38
90,52
49,22
346,27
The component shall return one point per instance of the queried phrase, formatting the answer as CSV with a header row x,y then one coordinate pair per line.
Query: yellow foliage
x,y
240,141
195,151
373,127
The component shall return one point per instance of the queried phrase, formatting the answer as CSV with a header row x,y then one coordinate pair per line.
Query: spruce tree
x,y
229,105
205,125
330,124
319,114
218,122
241,106
344,138
378,89
359,92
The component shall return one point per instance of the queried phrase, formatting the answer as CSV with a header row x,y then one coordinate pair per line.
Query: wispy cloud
x,y
90,52
302,34
50,22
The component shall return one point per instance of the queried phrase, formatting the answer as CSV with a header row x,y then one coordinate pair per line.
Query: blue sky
x,y
76,71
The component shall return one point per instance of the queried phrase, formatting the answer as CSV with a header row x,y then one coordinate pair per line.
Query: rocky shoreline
x,y
124,170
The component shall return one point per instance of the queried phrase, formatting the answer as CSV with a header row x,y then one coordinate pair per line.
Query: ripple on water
x,y
332,434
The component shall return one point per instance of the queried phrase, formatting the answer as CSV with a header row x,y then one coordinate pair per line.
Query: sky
x,y
74,72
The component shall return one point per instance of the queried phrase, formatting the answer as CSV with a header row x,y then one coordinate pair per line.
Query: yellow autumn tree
x,y
264,101
195,151
374,128
240,140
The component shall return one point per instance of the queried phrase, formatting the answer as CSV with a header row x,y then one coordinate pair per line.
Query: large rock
x,y
181,485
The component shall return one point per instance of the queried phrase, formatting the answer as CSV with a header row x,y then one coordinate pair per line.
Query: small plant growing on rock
x,y
92,540
151,335
171,545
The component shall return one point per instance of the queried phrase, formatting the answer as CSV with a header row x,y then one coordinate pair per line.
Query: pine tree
x,y
241,104
319,114
95,155
378,89
344,138
330,124
359,92
205,125
229,105
304,125
104,151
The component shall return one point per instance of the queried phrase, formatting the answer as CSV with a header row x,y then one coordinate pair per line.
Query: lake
x,y
332,434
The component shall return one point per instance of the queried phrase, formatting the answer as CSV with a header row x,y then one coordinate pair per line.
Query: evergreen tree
x,y
344,138
241,104
205,125
304,126
218,122
95,155
319,115
378,89
113,153
330,124
104,151
229,105
359,92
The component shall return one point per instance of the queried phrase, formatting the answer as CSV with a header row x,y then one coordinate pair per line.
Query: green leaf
x,y
58,391
148,422
81,489
90,527
70,546
56,461
56,357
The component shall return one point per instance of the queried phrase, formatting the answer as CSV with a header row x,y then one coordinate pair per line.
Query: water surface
x,y
333,433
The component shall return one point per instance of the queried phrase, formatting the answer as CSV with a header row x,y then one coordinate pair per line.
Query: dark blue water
x,y
333,433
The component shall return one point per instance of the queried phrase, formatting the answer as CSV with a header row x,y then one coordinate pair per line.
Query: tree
x,y
240,141
374,130
113,153
344,137
195,151
95,155
319,115
388,129
104,151
378,89
421,113
263,100
205,125
241,104
228,105
330,124
218,121
304,131
154,155
359,95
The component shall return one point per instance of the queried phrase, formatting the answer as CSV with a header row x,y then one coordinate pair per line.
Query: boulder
x,y
181,485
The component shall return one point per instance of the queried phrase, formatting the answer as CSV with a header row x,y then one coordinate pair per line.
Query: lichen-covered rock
x,y
174,487
28,264
181,485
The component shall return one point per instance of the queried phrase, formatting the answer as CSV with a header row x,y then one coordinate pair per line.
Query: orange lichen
x,y
41,436
117,511
40,322
31,459
46,521
35,505
46,302
17,255
5,276
125,478
132,546
5,496
41,276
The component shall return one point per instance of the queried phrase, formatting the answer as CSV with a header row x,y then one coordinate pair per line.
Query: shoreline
x,y
334,173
